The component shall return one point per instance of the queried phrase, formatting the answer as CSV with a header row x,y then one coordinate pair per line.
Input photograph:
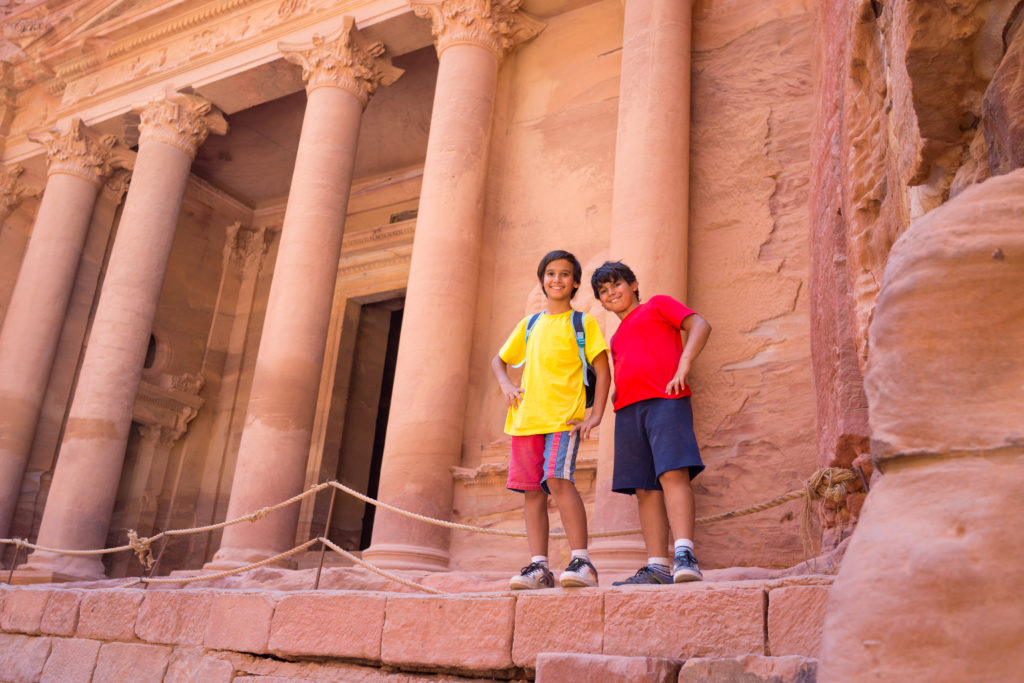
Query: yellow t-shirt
x,y
553,374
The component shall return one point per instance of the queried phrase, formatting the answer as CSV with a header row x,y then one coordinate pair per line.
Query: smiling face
x,y
618,296
559,280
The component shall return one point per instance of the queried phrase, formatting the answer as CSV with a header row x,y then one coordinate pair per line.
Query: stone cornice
x,y
81,152
12,190
496,25
180,120
345,59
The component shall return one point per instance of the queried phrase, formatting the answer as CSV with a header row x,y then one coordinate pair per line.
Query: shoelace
x,y
576,563
532,567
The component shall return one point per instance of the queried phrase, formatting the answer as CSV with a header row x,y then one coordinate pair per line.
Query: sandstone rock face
x,y
750,669
928,576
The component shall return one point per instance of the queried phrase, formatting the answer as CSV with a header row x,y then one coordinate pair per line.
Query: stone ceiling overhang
x,y
100,68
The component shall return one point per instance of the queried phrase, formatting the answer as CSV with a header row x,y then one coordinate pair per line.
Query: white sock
x,y
584,553
540,559
659,562
684,543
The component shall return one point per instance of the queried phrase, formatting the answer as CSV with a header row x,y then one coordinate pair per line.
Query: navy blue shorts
x,y
651,438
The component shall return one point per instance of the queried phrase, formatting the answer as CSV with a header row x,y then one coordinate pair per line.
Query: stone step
x,y
556,667
498,634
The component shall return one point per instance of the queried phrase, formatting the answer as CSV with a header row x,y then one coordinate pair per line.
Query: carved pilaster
x,y
82,153
117,185
180,120
12,190
345,59
496,25
245,248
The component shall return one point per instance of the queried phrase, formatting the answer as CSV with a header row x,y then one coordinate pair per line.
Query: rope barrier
x,y
829,484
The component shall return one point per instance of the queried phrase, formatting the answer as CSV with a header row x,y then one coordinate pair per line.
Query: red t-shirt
x,y
646,350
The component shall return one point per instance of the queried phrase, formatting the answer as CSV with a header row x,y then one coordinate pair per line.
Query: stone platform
x,y
754,630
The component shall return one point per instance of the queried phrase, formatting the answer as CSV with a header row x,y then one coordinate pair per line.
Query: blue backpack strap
x,y
581,341
529,326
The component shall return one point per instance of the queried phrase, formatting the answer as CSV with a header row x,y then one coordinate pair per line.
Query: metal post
x,y
327,531
14,563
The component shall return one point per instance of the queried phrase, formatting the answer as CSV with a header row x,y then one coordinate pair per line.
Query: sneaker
x,y
533,575
684,567
579,573
649,574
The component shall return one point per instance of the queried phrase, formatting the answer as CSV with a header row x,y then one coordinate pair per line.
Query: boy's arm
x,y
604,380
697,332
513,394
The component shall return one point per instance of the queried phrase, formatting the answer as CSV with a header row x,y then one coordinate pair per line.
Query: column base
x,y
618,558
45,567
406,556
233,558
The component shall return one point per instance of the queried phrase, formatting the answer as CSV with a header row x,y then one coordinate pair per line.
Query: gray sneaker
x,y
579,574
646,575
684,567
533,575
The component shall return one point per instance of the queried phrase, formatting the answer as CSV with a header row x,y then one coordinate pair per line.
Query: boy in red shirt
x,y
656,454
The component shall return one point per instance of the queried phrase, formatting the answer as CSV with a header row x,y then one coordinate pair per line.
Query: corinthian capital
x,y
12,190
496,25
180,120
345,59
83,153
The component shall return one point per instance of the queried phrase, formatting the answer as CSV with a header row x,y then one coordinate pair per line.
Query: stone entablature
x,y
92,65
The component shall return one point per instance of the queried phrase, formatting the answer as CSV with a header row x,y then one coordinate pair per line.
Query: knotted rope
x,y
829,484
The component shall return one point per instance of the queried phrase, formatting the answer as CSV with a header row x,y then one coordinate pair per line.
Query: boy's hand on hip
x,y
678,382
513,394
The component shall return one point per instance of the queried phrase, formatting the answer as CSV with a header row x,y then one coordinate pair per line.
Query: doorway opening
x,y
368,402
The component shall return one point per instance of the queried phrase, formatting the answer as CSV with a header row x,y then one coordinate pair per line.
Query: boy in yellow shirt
x,y
546,417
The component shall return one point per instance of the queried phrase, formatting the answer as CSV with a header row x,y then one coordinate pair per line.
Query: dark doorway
x,y
364,425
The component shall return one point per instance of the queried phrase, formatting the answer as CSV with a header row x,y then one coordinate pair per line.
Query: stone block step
x,y
500,634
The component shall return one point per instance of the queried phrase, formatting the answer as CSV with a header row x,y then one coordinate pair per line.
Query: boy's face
x,y
559,280
618,296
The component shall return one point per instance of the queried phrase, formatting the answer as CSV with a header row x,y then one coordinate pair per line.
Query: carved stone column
x,y
649,211
424,437
79,161
93,447
341,72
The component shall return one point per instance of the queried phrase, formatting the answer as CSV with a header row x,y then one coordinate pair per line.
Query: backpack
x,y
589,375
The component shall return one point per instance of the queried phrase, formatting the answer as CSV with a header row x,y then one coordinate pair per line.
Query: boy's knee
x,y
557,486
675,478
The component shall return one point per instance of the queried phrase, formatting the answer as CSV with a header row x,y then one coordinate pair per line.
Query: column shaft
x,y
432,370
275,441
341,72
85,480
32,327
650,206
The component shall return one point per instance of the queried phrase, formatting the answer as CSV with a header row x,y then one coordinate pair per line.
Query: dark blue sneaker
x,y
533,575
684,567
647,575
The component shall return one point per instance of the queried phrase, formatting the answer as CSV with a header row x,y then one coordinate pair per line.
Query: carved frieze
x,y
180,120
168,406
12,190
497,25
344,60
83,153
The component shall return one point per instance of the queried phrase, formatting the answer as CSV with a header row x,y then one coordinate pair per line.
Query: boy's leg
x,y
535,511
653,521
524,474
572,511
560,451
678,502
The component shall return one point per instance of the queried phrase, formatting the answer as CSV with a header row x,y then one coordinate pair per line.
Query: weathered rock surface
x,y
931,574
750,669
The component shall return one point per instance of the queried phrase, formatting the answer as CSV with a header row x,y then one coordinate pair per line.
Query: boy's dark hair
x,y
577,269
612,271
